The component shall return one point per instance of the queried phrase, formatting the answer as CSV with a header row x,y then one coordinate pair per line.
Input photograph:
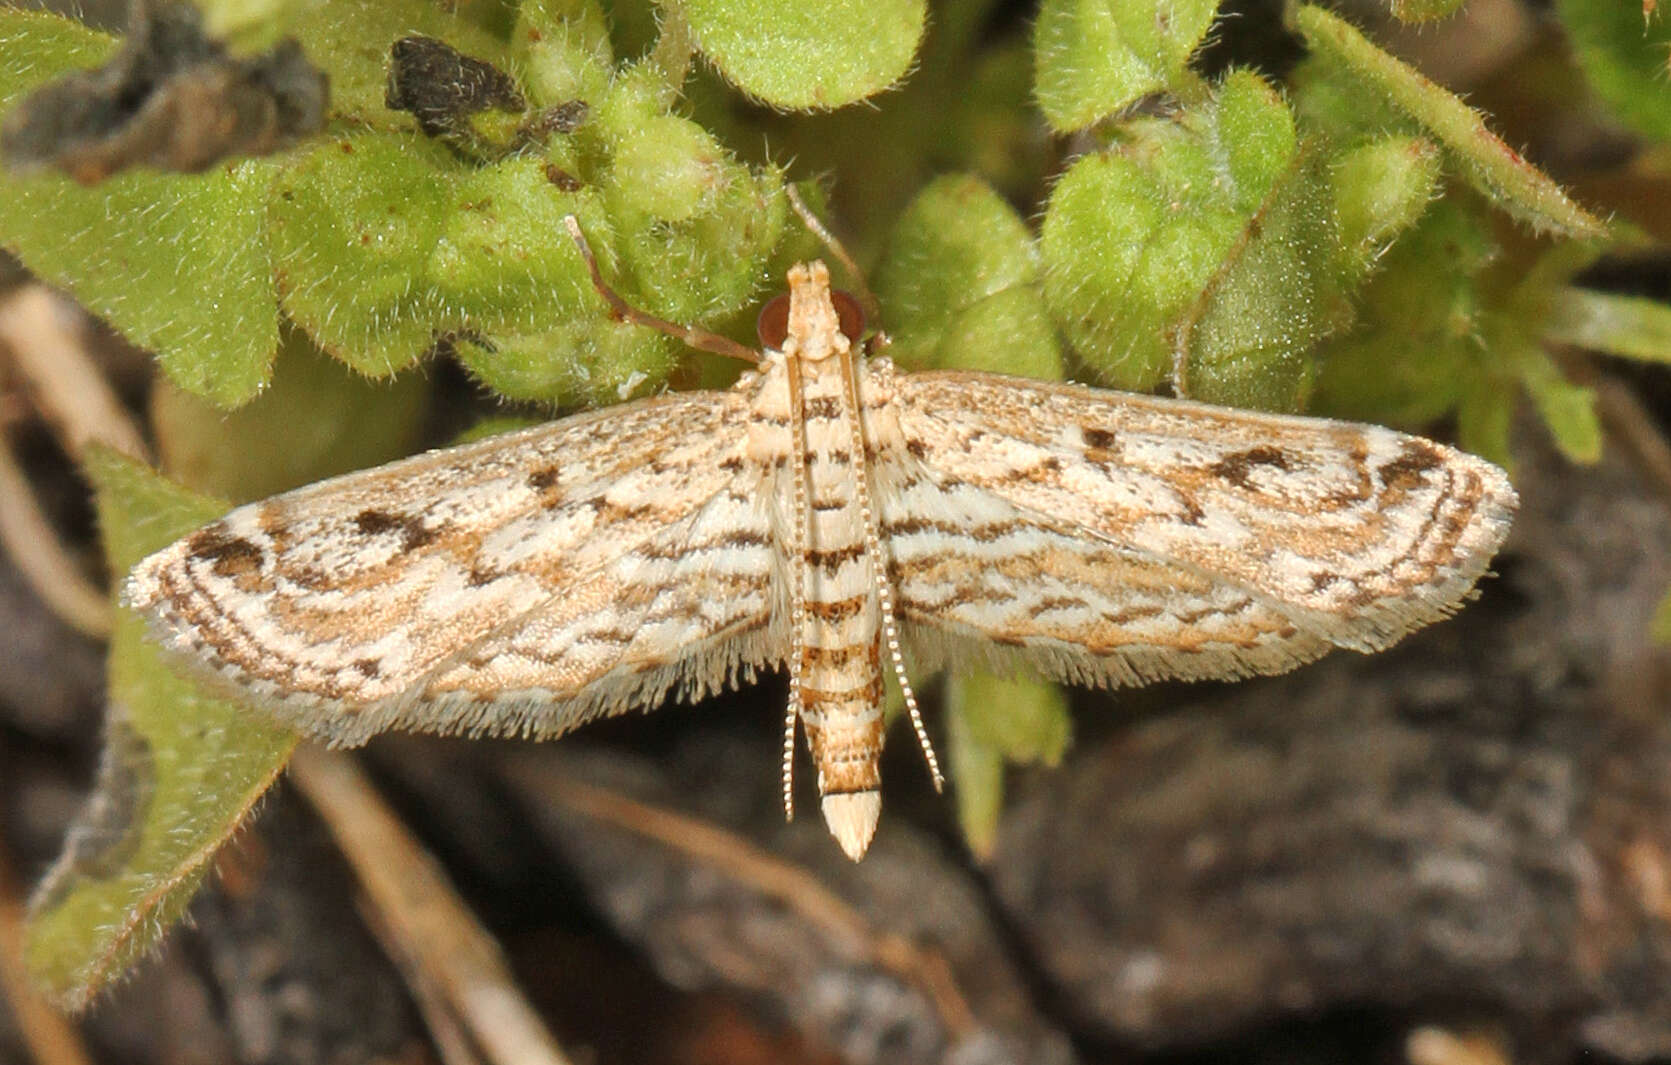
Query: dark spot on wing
x,y
414,533
369,668
544,478
1041,472
231,556
609,513
1098,439
1405,472
1238,468
375,522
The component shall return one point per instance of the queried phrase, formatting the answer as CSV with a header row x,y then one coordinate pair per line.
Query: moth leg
x,y
622,311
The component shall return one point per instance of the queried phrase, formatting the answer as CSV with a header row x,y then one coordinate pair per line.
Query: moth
x,y
833,517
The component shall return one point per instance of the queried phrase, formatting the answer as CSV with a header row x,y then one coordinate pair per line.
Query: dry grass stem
x,y
52,358
421,911
34,548
51,1039
735,857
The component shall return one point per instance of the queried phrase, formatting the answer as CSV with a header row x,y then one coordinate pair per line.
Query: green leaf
x,y
706,266
387,245
353,228
1489,165
1628,326
1659,629
316,420
589,361
384,244
1205,244
502,259
1425,10
803,56
1380,189
182,771
253,25
992,721
37,47
1027,721
671,169
1484,420
561,50
1095,57
1449,325
177,265
1419,350
977,777
957,285
1568,409
1008,332
1624,56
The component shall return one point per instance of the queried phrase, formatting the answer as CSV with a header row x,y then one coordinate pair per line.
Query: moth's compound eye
x,y
852,316
773,324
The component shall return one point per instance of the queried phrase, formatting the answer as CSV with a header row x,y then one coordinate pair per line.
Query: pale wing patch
x,y
686,613
337,602
1358,533
980,582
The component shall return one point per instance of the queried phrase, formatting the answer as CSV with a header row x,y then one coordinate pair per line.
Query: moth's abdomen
x,y
841,706
840,641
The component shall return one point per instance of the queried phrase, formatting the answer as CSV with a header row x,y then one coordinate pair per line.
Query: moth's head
x,y
811,320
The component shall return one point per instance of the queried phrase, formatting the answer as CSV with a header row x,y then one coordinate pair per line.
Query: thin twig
x,y
51,1039
1628,422
793,886
422,911
63,378
33,545
1435,1046
452,1042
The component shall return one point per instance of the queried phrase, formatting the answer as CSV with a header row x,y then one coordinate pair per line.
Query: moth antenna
x,y
884,587
791,715
622,311
838,251
797,596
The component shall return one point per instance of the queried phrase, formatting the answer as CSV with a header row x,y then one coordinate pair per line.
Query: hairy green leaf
x,y
176,264
804,56
957,285
1095,57
182,770
1425,10
350,41
1203,248
1491,166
